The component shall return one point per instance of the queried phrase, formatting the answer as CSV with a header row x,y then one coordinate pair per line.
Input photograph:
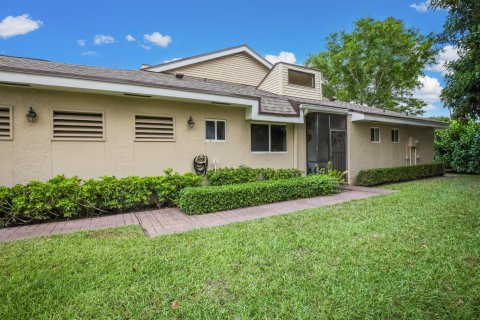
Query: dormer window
x,y
300,78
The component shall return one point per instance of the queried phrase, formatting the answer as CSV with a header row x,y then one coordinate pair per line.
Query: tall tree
x,y
462,82
378,64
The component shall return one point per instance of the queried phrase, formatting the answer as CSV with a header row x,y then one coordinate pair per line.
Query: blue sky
x,y
95,32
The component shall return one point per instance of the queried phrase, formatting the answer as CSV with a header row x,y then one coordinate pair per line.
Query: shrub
x,y
218,198
63,197
243,174
329,171
458,146
372,177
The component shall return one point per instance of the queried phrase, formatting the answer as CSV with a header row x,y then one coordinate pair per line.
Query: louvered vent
x,y
5,123
154,128
75,125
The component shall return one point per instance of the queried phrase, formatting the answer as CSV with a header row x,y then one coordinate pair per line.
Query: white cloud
x,y
13,26
89,53
145,47
82,42
429,107
429,91
129,38
283,56
103,39
448,53
421,7
157,39
170,60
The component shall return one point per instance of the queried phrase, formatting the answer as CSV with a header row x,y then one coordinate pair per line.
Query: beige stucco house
x,y
231,105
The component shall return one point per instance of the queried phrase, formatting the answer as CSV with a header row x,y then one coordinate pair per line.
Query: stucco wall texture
x,y
364,154
32,154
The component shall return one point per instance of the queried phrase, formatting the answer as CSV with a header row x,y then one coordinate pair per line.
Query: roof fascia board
x,y
323,109
189,61
357,116
254,115
51,82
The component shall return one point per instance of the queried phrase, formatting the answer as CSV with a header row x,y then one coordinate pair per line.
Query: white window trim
x,y
154,115
269,138
215,121
379,137
398,135
10,113
104,125
300,86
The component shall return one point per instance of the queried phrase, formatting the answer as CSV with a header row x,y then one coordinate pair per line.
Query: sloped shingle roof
x,y
270,103
359,108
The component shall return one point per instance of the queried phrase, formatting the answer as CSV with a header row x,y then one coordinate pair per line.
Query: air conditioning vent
x,y
77,125
154,128
5,123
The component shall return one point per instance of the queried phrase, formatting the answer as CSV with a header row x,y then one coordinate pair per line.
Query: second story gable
x,y
238,65
243,65
293,80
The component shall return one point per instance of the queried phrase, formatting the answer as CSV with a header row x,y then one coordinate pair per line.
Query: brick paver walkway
x,y
172,220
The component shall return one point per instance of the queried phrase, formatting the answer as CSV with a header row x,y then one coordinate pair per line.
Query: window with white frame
x,y
215,130
268,137
375,135
300,78
395,136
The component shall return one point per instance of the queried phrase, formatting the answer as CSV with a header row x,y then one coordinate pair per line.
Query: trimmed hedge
x,y
63,197
371,177
244,174
218,198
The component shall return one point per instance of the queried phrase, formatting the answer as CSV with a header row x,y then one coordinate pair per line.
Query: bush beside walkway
x,y
218,198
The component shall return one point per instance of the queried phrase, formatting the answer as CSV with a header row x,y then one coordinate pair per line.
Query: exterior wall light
x,y
191,123
31,115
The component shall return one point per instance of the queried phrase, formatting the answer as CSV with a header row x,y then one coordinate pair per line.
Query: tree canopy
x,y
462,83
458,146
378,64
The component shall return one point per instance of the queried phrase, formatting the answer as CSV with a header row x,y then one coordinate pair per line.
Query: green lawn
x,y
411,254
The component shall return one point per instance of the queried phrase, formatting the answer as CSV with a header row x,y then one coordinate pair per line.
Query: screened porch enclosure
x,y
326,141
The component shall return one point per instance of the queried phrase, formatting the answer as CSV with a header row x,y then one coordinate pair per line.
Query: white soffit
x,y
71,84
209,56
254,114
357,116
323,109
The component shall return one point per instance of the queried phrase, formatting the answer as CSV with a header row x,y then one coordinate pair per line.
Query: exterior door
x,y
326,141
338,143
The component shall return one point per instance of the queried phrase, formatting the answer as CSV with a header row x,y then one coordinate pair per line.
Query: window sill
x,y
302,87
269,152
221,141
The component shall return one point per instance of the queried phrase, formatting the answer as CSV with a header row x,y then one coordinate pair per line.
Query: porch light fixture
x,y
191,123
31,115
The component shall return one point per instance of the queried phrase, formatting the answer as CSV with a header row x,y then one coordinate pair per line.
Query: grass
x,y
411,254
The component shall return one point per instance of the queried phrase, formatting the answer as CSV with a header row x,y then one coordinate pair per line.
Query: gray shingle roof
x,y
270,103
358,108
